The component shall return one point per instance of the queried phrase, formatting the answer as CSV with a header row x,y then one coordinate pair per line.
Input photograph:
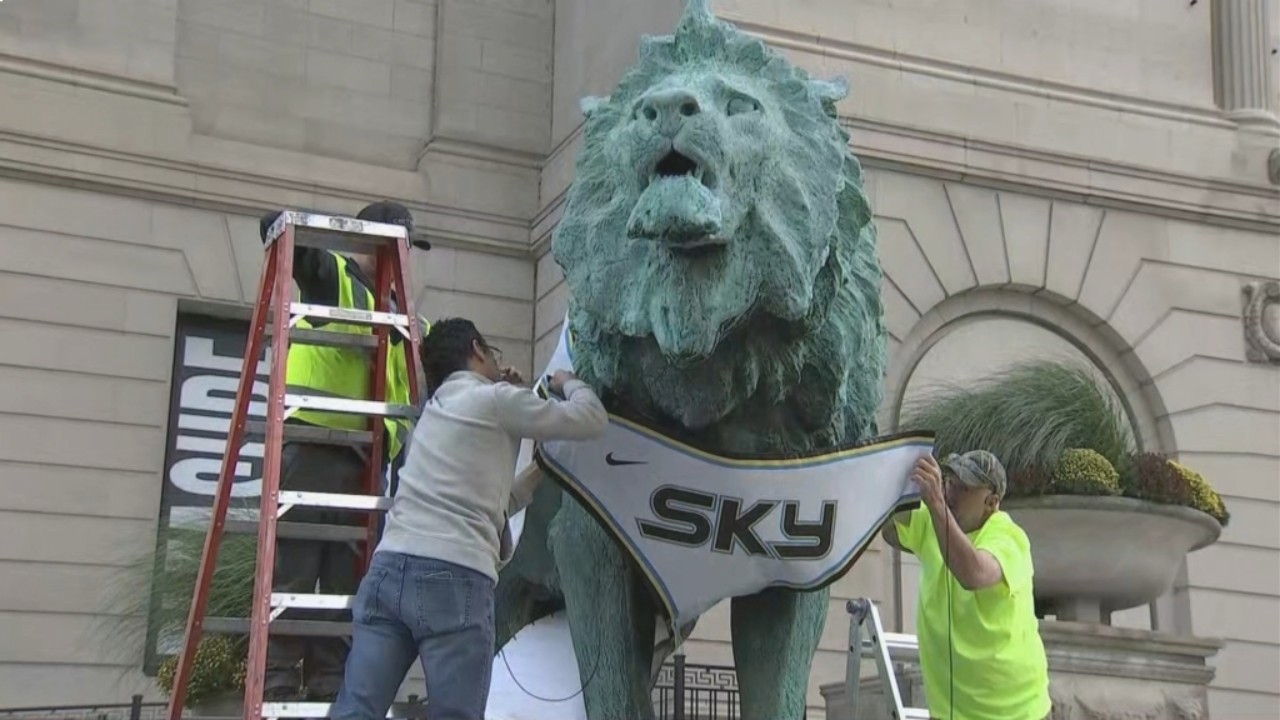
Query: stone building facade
x,y
1105,171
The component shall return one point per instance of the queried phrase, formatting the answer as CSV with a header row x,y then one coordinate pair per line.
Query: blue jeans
x,y
433,610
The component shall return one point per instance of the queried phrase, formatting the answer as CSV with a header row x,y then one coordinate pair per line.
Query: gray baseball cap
x,y
977,468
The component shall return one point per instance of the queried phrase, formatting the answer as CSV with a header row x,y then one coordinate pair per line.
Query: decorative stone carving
x,y
1073,700
1262,321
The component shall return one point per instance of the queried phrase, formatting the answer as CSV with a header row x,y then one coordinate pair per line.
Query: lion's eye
x,y
739,105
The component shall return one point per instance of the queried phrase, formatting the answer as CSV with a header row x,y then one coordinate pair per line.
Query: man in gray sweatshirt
x,y
429,590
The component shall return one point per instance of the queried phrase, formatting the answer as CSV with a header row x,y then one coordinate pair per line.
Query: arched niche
x,y
968,337
1020,326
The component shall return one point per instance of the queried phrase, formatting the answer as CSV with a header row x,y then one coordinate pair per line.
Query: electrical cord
x,y
951,653
535,696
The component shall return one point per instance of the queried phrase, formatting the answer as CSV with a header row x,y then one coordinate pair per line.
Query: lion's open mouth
x,y
679,206
675,164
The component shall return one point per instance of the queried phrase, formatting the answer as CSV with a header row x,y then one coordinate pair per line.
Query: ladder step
x,y
297,432
325,338
335,232
309,601
335,500
900,647
296,628
350,316
915,714
303,531
350,407
321,710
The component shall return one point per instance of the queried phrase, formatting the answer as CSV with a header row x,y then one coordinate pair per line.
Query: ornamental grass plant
x,y
158,587
1058,432
1028,416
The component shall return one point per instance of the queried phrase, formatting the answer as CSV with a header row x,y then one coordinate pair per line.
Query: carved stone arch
x,y
1108,353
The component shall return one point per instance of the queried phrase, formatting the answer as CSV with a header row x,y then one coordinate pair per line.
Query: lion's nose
x,y
668,108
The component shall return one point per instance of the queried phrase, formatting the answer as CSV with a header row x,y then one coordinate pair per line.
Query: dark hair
x,y
385,211
393,213
446,349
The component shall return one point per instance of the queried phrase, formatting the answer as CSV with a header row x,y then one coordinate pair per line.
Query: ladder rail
x,y
264,577
222,499
409,308
865,617
853,664
377,425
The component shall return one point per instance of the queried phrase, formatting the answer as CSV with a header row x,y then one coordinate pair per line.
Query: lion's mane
x,y
773,344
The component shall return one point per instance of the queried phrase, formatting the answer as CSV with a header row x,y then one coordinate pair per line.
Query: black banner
x,y
208,356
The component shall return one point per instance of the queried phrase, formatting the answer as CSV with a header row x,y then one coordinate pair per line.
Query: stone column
x,y
1243,79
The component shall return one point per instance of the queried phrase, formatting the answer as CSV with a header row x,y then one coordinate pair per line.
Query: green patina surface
x,y
721,262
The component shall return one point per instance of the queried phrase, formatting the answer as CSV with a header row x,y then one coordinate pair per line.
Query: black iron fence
x,y
134,710
684,691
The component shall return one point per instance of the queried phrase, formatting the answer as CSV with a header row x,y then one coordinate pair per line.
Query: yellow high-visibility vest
x,y
344,372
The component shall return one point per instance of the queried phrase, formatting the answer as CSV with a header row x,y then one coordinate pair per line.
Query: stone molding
x,y
1007,166
244,192
979,77
1261,317
187,177
77,77
1094,649
478,151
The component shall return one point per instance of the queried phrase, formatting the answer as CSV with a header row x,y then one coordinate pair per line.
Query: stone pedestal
x,y
1096,672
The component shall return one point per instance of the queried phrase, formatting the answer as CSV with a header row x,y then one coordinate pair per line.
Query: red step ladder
x,y
277,319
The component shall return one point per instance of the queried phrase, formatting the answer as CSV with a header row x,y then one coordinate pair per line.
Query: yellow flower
x,y
1203,497
1084,472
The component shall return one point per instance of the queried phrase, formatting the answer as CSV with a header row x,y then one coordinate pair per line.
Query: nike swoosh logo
x,y
615,462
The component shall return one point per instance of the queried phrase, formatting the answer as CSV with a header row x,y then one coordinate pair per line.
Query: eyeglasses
x,y
495,352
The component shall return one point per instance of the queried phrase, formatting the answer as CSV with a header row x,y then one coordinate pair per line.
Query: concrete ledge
x,y
1095,671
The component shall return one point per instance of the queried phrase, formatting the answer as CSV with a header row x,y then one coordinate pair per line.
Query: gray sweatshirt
x,y
457,485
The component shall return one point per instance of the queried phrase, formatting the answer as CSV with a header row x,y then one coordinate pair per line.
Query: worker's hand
x,y
928,476
558,380
513,376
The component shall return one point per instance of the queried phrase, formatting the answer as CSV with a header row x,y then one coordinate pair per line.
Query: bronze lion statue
x,y
720,255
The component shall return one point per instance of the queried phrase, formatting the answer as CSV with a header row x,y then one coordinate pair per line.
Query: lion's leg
x,y
525,590
516,603
610,616
775,634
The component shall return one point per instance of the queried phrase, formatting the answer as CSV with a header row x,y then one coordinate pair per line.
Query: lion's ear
x,y
831,91
590,104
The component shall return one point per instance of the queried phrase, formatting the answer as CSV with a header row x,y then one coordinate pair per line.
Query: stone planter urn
x,y
227,704
1095,555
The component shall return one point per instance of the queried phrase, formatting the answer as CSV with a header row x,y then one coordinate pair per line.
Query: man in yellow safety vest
x,y
328,278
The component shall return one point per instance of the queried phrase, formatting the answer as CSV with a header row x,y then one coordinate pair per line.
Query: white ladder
x,y
863,616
